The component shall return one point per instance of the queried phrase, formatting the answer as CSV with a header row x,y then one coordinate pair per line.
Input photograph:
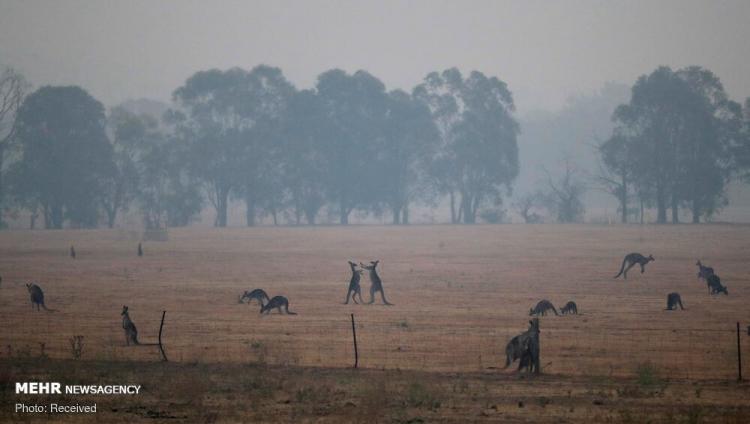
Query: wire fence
x,y
689,353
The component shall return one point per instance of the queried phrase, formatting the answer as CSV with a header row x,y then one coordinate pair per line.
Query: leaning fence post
x,y
161,326
739,355
354,334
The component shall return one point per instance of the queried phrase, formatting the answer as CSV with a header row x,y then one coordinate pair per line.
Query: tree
x,y
355,109
405,153
168,195
65,154
616,170
679,126
304,161
130,133
478,153
12,90
526,204
564,197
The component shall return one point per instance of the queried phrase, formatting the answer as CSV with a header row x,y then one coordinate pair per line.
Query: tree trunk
x,y
343,214
396,212
111,217
624,200
405,215
56,216
222,200
310,215
274,215
454,219
696,212
675,211
661,206
642,207
249,209
466,205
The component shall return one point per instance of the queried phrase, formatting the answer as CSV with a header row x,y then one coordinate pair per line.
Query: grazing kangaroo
x,y
377,283
131,333
715,286
37,297
630,260
354,286
525,347
542,307
72,252
570,308
704,271
673,299
277,302
140,250
257,294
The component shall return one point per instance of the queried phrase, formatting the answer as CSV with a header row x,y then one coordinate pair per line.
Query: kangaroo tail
x,y
290,312
555,311
48,309
622,268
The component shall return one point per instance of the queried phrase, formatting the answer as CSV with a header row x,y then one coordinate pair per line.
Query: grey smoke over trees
x,y
348,146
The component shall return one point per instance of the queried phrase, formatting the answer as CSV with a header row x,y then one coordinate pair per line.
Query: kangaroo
x,y
257,294
630,260
673,299
140,250
704,271
570,308
37,297
72,252
542,307
354,286
277,302
131,333
377,283
524,347
715,286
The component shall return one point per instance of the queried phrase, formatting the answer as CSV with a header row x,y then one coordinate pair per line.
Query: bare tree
x,y
525,206
12,89
564,197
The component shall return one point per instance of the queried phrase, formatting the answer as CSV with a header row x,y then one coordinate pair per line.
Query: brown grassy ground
x,y
460,293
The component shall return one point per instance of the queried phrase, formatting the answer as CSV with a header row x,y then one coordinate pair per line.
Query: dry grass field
x,y
460,293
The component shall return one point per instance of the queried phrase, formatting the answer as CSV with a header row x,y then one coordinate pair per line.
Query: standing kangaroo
x,y
542,307
37,297
377,283
630,261
715,286
525,347
72,252
673,299
354,286
140,250
131,333
277,302
569,308
257,294
704,271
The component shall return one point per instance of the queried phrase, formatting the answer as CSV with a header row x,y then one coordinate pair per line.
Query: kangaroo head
x,y
28,286
531,312
651,258
352,265
124,310
698,262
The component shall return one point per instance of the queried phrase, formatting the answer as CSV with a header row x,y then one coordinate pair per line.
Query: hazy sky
x,y
545,51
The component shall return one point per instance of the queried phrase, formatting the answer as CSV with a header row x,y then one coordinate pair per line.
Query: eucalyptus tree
x,y
405,153
13,88
478,156
64,154
354,108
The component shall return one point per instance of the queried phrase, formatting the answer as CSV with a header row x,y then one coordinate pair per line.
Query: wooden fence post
x,y
739,355
356,353
161,326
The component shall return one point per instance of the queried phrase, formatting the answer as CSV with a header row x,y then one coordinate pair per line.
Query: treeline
x,y
348,146
676,144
